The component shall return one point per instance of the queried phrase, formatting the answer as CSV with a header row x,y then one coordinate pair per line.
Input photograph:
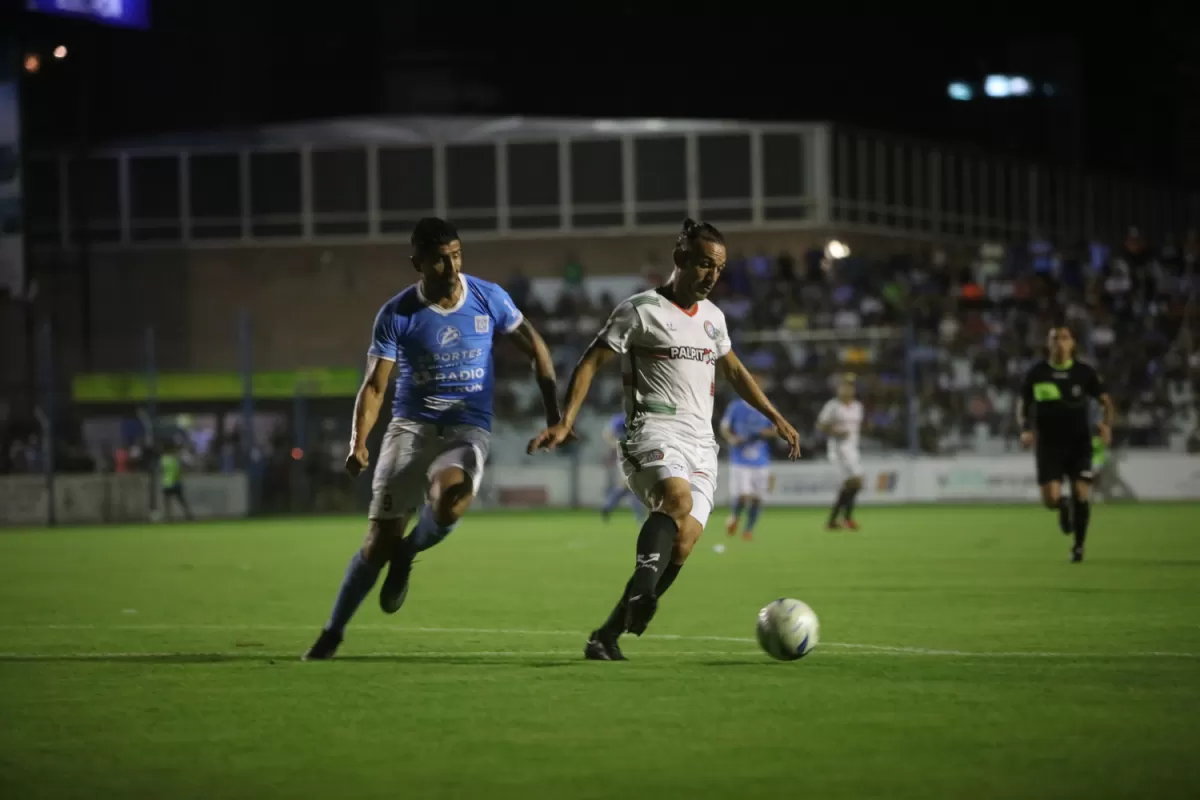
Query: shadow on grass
x,y
538,661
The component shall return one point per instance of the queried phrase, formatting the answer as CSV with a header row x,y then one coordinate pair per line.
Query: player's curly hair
x,y
430,233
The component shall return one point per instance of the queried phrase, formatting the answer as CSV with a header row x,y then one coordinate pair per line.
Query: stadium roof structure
x,y
415,130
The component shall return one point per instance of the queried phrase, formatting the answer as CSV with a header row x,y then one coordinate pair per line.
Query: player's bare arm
x,y
744,384
593,360
1109,412
366,411
533,346
1024,404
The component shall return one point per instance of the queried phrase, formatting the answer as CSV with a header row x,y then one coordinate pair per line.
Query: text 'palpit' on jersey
x,y
705,355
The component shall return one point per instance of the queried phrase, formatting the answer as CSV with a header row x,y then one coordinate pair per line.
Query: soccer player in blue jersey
x,y
614,434
749,434
437,337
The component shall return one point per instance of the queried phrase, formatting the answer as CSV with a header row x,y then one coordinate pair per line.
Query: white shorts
x,y
412,452
847,460
749,481
646,463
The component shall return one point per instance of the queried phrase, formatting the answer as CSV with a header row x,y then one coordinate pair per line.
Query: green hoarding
x,y
187,386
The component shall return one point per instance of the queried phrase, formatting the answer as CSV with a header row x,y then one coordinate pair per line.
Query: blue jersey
x,y
443,356
747,423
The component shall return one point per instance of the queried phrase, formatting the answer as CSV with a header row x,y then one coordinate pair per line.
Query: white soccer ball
x,y
788,629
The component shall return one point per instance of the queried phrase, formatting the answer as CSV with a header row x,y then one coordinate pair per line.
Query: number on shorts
x,y
387,501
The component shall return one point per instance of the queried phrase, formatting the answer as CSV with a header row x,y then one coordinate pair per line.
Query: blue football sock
x,y
427,532
614,499
360,577
752,515
737,509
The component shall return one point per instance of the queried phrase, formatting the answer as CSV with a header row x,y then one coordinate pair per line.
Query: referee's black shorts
x,y
1069,461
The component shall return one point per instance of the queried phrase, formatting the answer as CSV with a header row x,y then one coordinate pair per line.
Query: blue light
x,y
1019,86
996,86
122,13
959,91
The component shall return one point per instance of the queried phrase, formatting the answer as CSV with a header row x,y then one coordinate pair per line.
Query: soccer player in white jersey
x,y
841,421
671,341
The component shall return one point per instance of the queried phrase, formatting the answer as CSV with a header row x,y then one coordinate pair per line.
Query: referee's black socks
x,y
1064,513
1083,515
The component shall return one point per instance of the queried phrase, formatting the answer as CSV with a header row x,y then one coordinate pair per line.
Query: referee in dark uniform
x,y
1054,415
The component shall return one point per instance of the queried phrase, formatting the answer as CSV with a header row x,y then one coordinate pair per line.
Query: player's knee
x,y
676,501
450,494
1083,491
1050,495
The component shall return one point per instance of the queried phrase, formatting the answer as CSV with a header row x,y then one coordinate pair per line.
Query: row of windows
x,y
861,180
405,187
879,182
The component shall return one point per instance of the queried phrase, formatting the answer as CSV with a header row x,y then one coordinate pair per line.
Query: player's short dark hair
x,y
694,232
430,233
1062,326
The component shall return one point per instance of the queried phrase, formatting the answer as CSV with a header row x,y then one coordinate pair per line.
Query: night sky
x,y
211,65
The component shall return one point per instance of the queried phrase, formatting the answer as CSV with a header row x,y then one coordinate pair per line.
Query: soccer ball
x,y
788,629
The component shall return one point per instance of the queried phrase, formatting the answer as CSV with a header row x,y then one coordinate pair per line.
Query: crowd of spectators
x,y
939,341
952,332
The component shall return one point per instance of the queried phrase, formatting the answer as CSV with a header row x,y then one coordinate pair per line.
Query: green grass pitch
x,y
961,656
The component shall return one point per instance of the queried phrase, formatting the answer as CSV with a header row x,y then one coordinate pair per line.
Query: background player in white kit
x,y
671,340
841,421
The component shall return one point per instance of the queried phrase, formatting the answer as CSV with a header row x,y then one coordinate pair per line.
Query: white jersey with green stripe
x,y
669,357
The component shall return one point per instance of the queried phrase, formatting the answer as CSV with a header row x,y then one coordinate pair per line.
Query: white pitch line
x,y
881,649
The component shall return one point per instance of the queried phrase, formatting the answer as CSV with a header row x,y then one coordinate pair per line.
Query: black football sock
x,y
837,506
1064,514
668,577
848,503
614,626
654,546
1083,515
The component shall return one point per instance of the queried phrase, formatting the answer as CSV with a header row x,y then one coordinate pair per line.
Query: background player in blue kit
x,y
749,435
614,433
437,336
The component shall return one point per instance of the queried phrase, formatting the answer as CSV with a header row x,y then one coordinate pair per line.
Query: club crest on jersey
x,y
482,324
448,336
711,330
653,456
